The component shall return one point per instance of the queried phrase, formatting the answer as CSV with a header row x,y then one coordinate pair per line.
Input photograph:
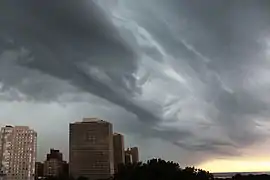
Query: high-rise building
x,y
18,152
134,152
54,164
91,149
118,150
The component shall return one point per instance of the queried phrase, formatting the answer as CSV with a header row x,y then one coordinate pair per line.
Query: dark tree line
x,y
157,169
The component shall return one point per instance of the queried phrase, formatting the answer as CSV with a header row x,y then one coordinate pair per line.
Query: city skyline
x,y
91,138
248,165
65,157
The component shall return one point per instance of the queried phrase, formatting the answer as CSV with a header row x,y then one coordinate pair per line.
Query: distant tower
x,y
128,158
54,164
18,152
133,153
91,149
118,150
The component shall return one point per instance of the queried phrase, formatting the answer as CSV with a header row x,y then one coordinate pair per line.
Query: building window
x,y
91,138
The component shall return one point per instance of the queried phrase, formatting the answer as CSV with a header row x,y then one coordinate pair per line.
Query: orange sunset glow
x,y
243,165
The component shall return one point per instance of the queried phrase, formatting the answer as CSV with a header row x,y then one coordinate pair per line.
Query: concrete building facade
x,y
118,150
91,149
18,152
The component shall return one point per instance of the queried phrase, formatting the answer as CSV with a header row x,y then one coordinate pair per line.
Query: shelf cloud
x,y
193,74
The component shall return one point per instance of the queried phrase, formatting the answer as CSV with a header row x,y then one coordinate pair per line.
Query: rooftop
x,y
91,120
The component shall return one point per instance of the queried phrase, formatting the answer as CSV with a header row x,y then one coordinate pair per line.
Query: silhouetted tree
x,y
158,169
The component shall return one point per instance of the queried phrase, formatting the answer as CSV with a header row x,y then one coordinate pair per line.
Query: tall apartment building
x,y
54,164
118,150
134,152
91,149
18,152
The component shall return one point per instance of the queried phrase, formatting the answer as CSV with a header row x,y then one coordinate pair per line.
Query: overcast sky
x,y
184,80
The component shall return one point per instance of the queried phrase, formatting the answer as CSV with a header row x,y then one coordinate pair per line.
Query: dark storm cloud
x,y
219,147
221,42
63,38
63,34
213,43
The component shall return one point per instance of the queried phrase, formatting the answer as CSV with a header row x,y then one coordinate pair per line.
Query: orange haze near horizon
x,y
237,165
